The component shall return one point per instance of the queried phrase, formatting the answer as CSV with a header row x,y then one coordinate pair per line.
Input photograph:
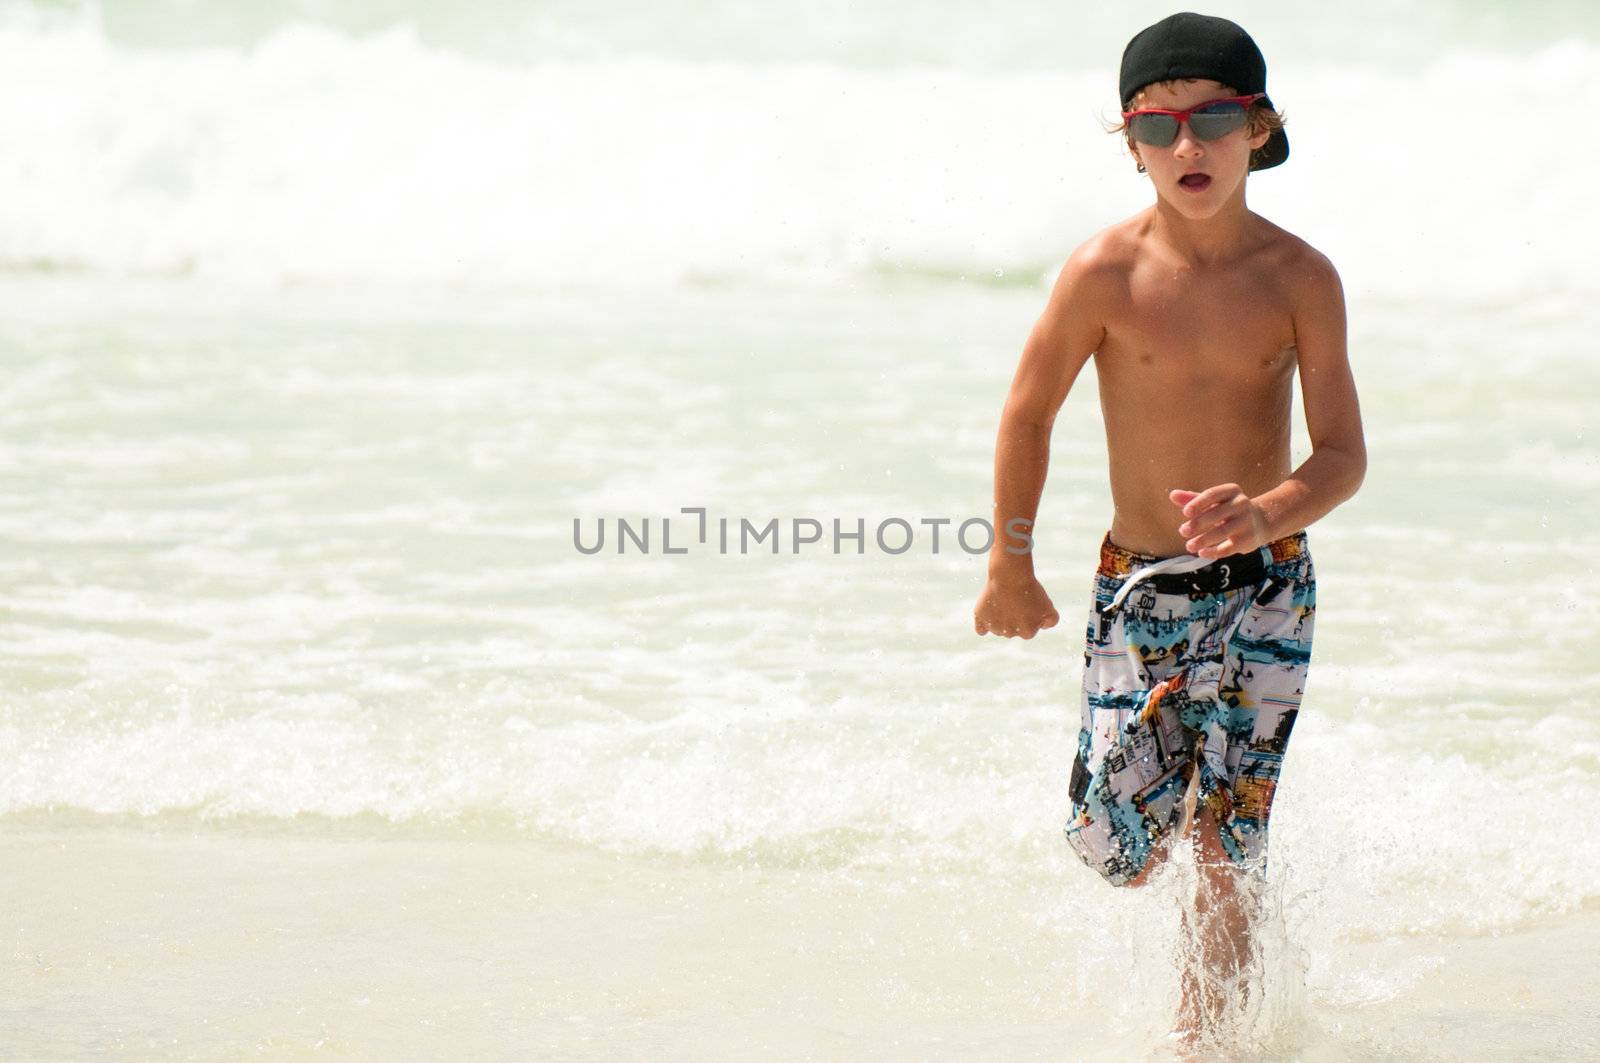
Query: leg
x,y
1218,933
1253,707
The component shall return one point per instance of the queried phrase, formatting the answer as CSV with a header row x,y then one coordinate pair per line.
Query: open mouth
x,y
1195,182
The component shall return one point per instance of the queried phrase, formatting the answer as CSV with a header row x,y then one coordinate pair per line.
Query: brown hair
x,y
1261,117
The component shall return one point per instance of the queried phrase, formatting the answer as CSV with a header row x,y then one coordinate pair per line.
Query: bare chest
x,y
1176,329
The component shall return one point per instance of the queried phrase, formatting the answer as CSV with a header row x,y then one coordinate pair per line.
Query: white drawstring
x,y
1177,563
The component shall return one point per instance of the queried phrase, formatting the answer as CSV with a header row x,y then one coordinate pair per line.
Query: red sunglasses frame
x,y
1183,116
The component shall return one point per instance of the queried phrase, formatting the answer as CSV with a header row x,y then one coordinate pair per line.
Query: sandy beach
x,y
122,942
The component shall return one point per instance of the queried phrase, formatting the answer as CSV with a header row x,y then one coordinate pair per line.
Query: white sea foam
x,y
311,153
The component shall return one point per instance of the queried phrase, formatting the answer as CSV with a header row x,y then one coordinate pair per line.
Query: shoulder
x,y
1314,293
1303,271
1083,299
1098,268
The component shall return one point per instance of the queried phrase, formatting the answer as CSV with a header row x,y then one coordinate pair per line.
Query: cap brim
x,y
1274,151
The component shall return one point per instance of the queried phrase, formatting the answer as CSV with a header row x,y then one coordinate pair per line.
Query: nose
x,y
1187,143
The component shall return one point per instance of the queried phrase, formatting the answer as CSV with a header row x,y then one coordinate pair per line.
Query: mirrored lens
x,y
1157,130
1217,120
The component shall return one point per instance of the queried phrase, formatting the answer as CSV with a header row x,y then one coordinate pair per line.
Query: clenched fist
x,y
1013,605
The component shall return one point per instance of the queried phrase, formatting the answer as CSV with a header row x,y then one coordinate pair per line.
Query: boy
x,y
1197,312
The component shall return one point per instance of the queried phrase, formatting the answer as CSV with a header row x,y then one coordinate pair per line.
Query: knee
x,y
1131,875
1227,862
1154,860
1156,856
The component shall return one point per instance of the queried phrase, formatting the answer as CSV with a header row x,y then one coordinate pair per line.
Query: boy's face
x,y
1225,160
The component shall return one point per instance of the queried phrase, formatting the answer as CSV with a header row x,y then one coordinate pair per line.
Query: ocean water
x,y
322,325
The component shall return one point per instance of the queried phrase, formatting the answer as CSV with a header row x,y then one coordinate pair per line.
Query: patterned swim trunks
x,y
1191,666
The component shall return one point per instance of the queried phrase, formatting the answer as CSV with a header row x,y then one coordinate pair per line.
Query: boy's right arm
x,y
1071,329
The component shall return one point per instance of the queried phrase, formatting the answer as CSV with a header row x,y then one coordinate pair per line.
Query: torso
x,y
1196,375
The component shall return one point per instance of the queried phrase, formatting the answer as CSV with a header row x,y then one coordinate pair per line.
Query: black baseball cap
x,y
1187,45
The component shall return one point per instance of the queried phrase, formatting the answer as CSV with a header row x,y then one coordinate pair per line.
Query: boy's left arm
x,y
1222,520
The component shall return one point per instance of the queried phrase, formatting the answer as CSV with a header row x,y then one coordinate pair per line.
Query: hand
x,y
1222,520
1013,606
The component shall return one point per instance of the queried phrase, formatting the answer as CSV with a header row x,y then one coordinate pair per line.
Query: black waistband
x,y
1223,574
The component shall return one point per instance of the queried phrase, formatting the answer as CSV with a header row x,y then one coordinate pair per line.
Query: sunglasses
x,y
1208,121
